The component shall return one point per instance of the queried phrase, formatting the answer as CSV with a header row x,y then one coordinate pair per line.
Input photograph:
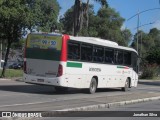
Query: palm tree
x,y
81,12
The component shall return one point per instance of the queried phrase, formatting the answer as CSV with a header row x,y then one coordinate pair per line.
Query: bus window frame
x,y
92,52
119,50
100,47
104,54
76,42
130,52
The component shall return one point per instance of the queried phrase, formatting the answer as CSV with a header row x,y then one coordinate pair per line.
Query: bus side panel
x,y
134,79
94,70
75,74
79,74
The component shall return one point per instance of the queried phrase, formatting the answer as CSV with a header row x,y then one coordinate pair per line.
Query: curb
x,y
98,106
110,105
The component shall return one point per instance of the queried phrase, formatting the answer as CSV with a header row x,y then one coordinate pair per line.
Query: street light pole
x,y
137,31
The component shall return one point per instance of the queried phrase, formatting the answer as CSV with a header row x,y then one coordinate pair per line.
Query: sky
x,y
127,9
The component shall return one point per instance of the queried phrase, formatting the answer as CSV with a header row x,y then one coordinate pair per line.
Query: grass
x,y
156,78
12,73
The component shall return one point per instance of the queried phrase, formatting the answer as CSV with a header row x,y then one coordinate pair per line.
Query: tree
x,y
22,14
149,51
155,35
81,12
145,42
127,36
109,26
153,56
105,24
42,15
68,21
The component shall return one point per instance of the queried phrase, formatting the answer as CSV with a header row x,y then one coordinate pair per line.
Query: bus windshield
x,y
44,46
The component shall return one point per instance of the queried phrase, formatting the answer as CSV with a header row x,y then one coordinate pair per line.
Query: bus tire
x,y
93,86
127,86
61,89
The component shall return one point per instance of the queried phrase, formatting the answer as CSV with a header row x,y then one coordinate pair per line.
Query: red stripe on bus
x,y
65,39
126,67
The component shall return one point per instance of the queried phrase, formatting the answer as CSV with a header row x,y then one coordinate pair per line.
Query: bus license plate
x,y
40,80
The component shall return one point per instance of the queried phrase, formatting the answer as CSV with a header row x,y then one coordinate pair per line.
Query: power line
x,y
143,12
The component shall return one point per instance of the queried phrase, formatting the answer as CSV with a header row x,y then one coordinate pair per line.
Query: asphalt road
x,y
100,114
21,96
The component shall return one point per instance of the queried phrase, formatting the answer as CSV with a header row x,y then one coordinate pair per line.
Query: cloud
x,y
157,24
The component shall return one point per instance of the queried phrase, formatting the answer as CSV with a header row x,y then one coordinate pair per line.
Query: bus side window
x,y
127,58
109,55
86,52
98,54
118,57
73,51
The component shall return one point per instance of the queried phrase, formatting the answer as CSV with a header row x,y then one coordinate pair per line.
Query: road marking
x,y
146,87
2,80
25,104
58,99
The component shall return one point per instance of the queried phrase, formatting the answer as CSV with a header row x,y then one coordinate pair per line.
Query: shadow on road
x,y
154,83
47,90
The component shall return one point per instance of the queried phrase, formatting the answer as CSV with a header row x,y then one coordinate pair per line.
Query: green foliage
x,y
149,51
153,55
106,24
18,45
103,2
67,21
147,41
42,14
18,15
149,71
127,36
13,18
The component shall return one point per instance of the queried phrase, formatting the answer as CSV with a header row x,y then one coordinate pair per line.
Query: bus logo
x,y
6,114
95,69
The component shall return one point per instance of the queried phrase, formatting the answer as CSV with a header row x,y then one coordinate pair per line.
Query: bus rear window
x,y
43,46
45,41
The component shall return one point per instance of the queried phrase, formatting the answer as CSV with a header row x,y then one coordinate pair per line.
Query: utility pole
x,y
138,31
0,54
138,14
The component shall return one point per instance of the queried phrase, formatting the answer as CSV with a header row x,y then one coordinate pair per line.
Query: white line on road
x,y
53,100
4,79
26,104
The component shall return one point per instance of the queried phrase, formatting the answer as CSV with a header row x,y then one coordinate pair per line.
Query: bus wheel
x,y
126,87
61,89
93,86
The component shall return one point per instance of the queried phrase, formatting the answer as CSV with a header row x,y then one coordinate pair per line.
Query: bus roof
x,y
92,40
102,42
47,34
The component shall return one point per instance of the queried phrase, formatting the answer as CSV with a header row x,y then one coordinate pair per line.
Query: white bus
x,y
78,62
